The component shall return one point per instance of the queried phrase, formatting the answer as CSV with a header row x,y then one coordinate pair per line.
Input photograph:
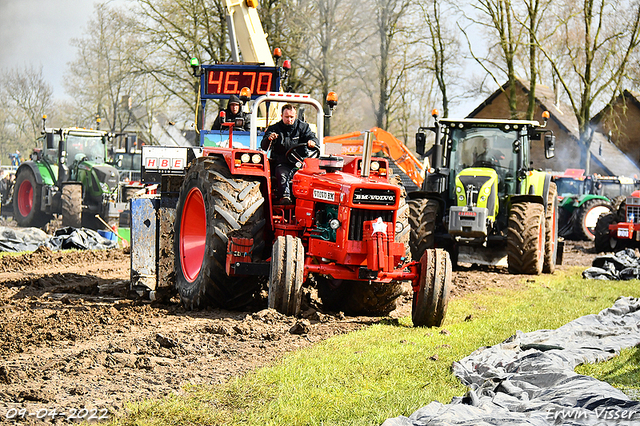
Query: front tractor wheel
x,y
430,302
72,205
526,238
286,279
214,206
26,201
587,217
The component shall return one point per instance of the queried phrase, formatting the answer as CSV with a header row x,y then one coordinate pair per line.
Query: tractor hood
x,y
345,189
102,174
478,187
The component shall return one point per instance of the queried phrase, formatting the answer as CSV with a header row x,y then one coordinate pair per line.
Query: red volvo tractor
x,y
619,229
346,231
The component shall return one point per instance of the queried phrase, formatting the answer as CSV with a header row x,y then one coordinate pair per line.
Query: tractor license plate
x,y
623,232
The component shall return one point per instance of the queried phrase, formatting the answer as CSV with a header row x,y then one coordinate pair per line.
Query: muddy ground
x,y
73,336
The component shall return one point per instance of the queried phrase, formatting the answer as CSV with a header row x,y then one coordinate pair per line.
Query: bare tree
x,y
443,62
388,15
497,17
597,41
102,75
331,33
173,32
27,97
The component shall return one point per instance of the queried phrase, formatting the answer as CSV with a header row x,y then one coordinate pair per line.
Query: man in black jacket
x,y
279,138
233,111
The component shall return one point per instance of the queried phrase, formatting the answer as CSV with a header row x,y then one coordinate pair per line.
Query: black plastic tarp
x,y
529,379
623,265
29,239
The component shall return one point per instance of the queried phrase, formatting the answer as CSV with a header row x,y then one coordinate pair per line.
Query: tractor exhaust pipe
x,y
367,149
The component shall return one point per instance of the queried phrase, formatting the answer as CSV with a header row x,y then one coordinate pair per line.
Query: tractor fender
x,y
531,198
536,187
34,168
589,197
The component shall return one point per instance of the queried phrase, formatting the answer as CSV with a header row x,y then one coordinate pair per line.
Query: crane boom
x,y
245,28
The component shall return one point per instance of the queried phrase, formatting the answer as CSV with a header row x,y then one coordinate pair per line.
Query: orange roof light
x,y
332,99
245,94
252,3
546,115
286,65
277,52
435,113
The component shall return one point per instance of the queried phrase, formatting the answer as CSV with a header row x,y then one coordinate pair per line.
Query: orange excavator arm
x,y
386,143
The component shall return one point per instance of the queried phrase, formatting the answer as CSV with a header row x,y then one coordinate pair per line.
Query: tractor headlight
x,y
483,198
256,158
460,197
375,166
487,190
458,189
245,158
398,227
334,224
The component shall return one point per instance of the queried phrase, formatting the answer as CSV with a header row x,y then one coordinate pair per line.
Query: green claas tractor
x,y
481,199
68,176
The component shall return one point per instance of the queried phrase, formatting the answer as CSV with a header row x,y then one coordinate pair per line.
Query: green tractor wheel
x,y
72,205
525,238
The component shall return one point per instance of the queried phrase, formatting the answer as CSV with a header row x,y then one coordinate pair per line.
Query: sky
x,y
38,33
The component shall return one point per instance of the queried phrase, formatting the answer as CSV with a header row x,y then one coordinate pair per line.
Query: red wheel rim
x,y
193,234
25,198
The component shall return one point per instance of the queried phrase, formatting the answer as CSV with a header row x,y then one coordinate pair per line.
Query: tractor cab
x,y
480,170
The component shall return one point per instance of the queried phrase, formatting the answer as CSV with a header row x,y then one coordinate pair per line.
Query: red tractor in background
x,y
342,233
621,228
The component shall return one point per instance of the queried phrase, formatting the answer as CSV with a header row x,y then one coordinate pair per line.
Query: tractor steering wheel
x,y
295,156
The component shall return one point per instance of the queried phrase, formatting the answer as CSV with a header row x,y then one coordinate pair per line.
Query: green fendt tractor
x,y
69,176
482,200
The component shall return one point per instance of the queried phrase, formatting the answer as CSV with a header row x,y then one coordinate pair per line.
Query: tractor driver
x,y
488,155
233,111
280,138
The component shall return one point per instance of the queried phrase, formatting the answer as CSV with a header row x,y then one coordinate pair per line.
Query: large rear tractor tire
x,y
587,218
551,231
286,279
26,201
430,302
214,205
526,238
602,238
72,205
422,220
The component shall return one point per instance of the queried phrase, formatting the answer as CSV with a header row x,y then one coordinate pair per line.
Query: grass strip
x,y
385,370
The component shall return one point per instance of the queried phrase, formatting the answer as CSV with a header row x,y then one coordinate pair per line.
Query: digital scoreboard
x,y
221,81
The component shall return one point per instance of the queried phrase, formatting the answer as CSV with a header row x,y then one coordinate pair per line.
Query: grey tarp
x,y
529,378
29,239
